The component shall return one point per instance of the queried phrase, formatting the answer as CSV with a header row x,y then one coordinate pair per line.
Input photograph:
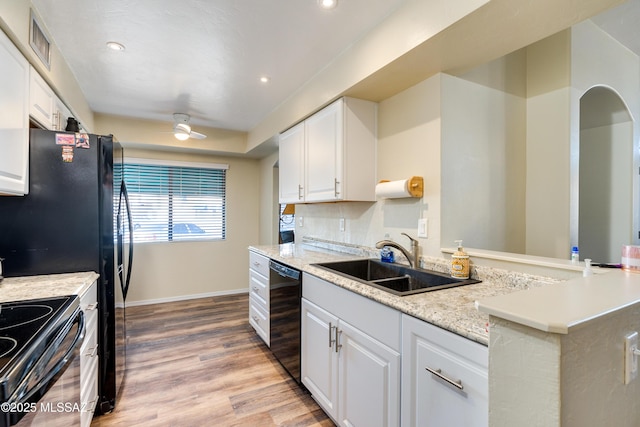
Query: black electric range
x,y
33,333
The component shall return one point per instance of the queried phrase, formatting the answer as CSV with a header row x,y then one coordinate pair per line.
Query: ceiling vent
x,y
40,42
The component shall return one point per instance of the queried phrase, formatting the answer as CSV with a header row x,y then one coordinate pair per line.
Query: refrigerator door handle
x,y
123,190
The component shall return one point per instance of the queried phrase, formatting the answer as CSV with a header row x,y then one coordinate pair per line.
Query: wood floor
x,y
199,363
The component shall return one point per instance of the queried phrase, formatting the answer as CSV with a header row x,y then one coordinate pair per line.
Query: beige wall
x,y
269,206
152,134
483,157
178,270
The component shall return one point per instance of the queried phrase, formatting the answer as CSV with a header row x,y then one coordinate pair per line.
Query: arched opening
x,y
605,175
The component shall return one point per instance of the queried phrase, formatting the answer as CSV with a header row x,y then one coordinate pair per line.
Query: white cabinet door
x,y
323,151
41,100
369,380
60,114
14,119
444,378
291,165
319,362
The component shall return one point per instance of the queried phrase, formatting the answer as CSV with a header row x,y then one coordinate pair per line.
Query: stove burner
x,y
7,345
20,315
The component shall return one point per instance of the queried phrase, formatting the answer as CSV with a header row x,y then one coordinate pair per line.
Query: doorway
x,y
605,213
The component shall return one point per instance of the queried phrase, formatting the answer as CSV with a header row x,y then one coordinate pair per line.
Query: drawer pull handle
x,y
338,345
256,263
331,340
438,373
92,352
91,405
256,318
92,306
256,289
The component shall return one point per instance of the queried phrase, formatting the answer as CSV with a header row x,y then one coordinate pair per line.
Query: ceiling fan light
x,y
327,4
181,135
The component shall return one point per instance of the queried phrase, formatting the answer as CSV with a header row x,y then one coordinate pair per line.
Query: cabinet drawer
x,y
88,353
259,263
259,319
89,300
444,377
371,317
89,397
259,288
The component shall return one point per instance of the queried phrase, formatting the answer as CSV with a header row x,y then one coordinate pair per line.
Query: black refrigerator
x,y
74,219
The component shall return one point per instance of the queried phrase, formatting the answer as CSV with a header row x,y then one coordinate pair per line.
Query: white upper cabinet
x,y
44,106
291,165
331,156
41,100
14,119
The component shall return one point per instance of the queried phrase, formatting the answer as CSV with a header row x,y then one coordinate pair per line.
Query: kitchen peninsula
x,y
562,340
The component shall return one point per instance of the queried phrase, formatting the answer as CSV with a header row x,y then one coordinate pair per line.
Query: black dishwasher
x,y
285,293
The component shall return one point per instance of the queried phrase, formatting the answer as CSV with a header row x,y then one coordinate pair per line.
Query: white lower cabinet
x,y
444,377
259,295
350,355
89,356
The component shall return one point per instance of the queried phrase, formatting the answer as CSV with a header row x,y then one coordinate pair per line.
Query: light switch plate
x,y
422,227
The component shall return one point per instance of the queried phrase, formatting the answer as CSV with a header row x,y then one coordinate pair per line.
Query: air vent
x,y
40,42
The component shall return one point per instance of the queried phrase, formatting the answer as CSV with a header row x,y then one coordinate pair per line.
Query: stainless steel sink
x,y
394,278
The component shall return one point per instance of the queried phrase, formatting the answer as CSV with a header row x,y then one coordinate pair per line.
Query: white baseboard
x,y
186,297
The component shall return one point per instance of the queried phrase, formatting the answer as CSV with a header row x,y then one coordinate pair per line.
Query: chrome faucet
x,y
412,256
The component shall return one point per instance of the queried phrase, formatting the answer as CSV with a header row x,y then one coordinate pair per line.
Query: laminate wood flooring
x,y
199,363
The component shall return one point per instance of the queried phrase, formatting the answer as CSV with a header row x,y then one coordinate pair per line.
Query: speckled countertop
x,y
451,309
52,285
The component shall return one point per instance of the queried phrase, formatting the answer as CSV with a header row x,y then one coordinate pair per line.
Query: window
x,y
176,201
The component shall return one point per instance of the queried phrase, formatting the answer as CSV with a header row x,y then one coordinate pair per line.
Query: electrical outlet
x,y
341,224
630,357
300,221
422,227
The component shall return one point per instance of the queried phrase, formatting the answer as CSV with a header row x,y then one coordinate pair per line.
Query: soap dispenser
x,y
460,263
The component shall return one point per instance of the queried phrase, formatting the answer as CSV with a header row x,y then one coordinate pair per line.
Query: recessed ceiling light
x,y
115,46
264,79
327,4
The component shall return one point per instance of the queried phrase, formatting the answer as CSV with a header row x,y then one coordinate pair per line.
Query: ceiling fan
x,y
182,129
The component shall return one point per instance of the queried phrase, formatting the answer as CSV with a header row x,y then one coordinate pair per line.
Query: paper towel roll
x,y
399,189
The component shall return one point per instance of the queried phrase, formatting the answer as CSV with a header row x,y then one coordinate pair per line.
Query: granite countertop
x,y
452,309
46,286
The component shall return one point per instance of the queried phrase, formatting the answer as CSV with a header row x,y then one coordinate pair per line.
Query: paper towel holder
x,y
414,187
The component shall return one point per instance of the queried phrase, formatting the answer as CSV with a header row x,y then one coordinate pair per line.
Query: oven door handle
x,y
26,395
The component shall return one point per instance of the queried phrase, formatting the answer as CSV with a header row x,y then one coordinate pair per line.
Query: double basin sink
x,y
394,278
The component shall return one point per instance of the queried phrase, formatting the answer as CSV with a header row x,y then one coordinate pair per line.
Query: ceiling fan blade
x,y
197,135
